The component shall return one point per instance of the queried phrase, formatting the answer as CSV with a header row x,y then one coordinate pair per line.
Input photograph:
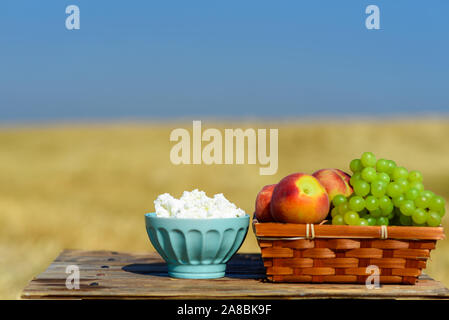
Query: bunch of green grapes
x,y
386,194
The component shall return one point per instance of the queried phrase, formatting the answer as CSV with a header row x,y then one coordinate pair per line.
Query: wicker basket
x,y
341,254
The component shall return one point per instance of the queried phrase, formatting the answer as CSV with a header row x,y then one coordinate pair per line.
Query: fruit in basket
x,y
352,218
335,181
299,198
357,203
387,194
338,199
368,159
263,202
361,188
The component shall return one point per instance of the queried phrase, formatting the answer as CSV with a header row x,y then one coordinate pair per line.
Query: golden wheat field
x,y
87,186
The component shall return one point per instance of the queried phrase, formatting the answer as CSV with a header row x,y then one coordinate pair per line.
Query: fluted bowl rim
x,y
152,215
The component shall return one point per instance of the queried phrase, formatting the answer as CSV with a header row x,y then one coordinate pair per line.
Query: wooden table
x,y
106,274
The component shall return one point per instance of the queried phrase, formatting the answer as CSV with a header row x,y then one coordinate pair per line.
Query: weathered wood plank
x,y
106,274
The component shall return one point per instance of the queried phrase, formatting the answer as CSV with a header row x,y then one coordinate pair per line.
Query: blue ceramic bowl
x,y
196,248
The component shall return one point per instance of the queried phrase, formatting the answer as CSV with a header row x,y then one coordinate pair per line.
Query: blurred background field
x,y
87,186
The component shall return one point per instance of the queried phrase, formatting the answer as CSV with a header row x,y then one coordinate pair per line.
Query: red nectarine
x,y
335,181
263,200
299,198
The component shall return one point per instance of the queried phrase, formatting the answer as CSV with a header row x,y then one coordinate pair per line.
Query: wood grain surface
x,y
120,275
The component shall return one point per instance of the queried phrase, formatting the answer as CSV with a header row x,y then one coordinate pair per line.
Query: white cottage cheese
x,y
197,205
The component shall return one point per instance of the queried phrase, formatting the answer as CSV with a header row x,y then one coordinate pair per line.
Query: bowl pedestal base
x,y
199,271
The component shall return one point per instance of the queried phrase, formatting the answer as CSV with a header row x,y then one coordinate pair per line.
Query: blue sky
x,y
164,59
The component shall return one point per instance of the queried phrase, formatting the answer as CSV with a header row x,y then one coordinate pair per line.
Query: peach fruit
x,y
299,198
335,181
263,200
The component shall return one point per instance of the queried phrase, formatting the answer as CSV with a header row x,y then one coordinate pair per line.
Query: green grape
x,y
442,212
371,221
363,222
399,172
433,219
405,220
407,207
391,166
383,183
403,183
383,177
436,203
356,165
382,165
356,203
338,199
417,185
422,201
368,159
384,202
369,174
361,188
429,194
419,216
343,208
382,221
335,212
356,176
376,213
415,176
397,201
371,203
387,209
338,220
351,218
394,190
412,194
378,188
